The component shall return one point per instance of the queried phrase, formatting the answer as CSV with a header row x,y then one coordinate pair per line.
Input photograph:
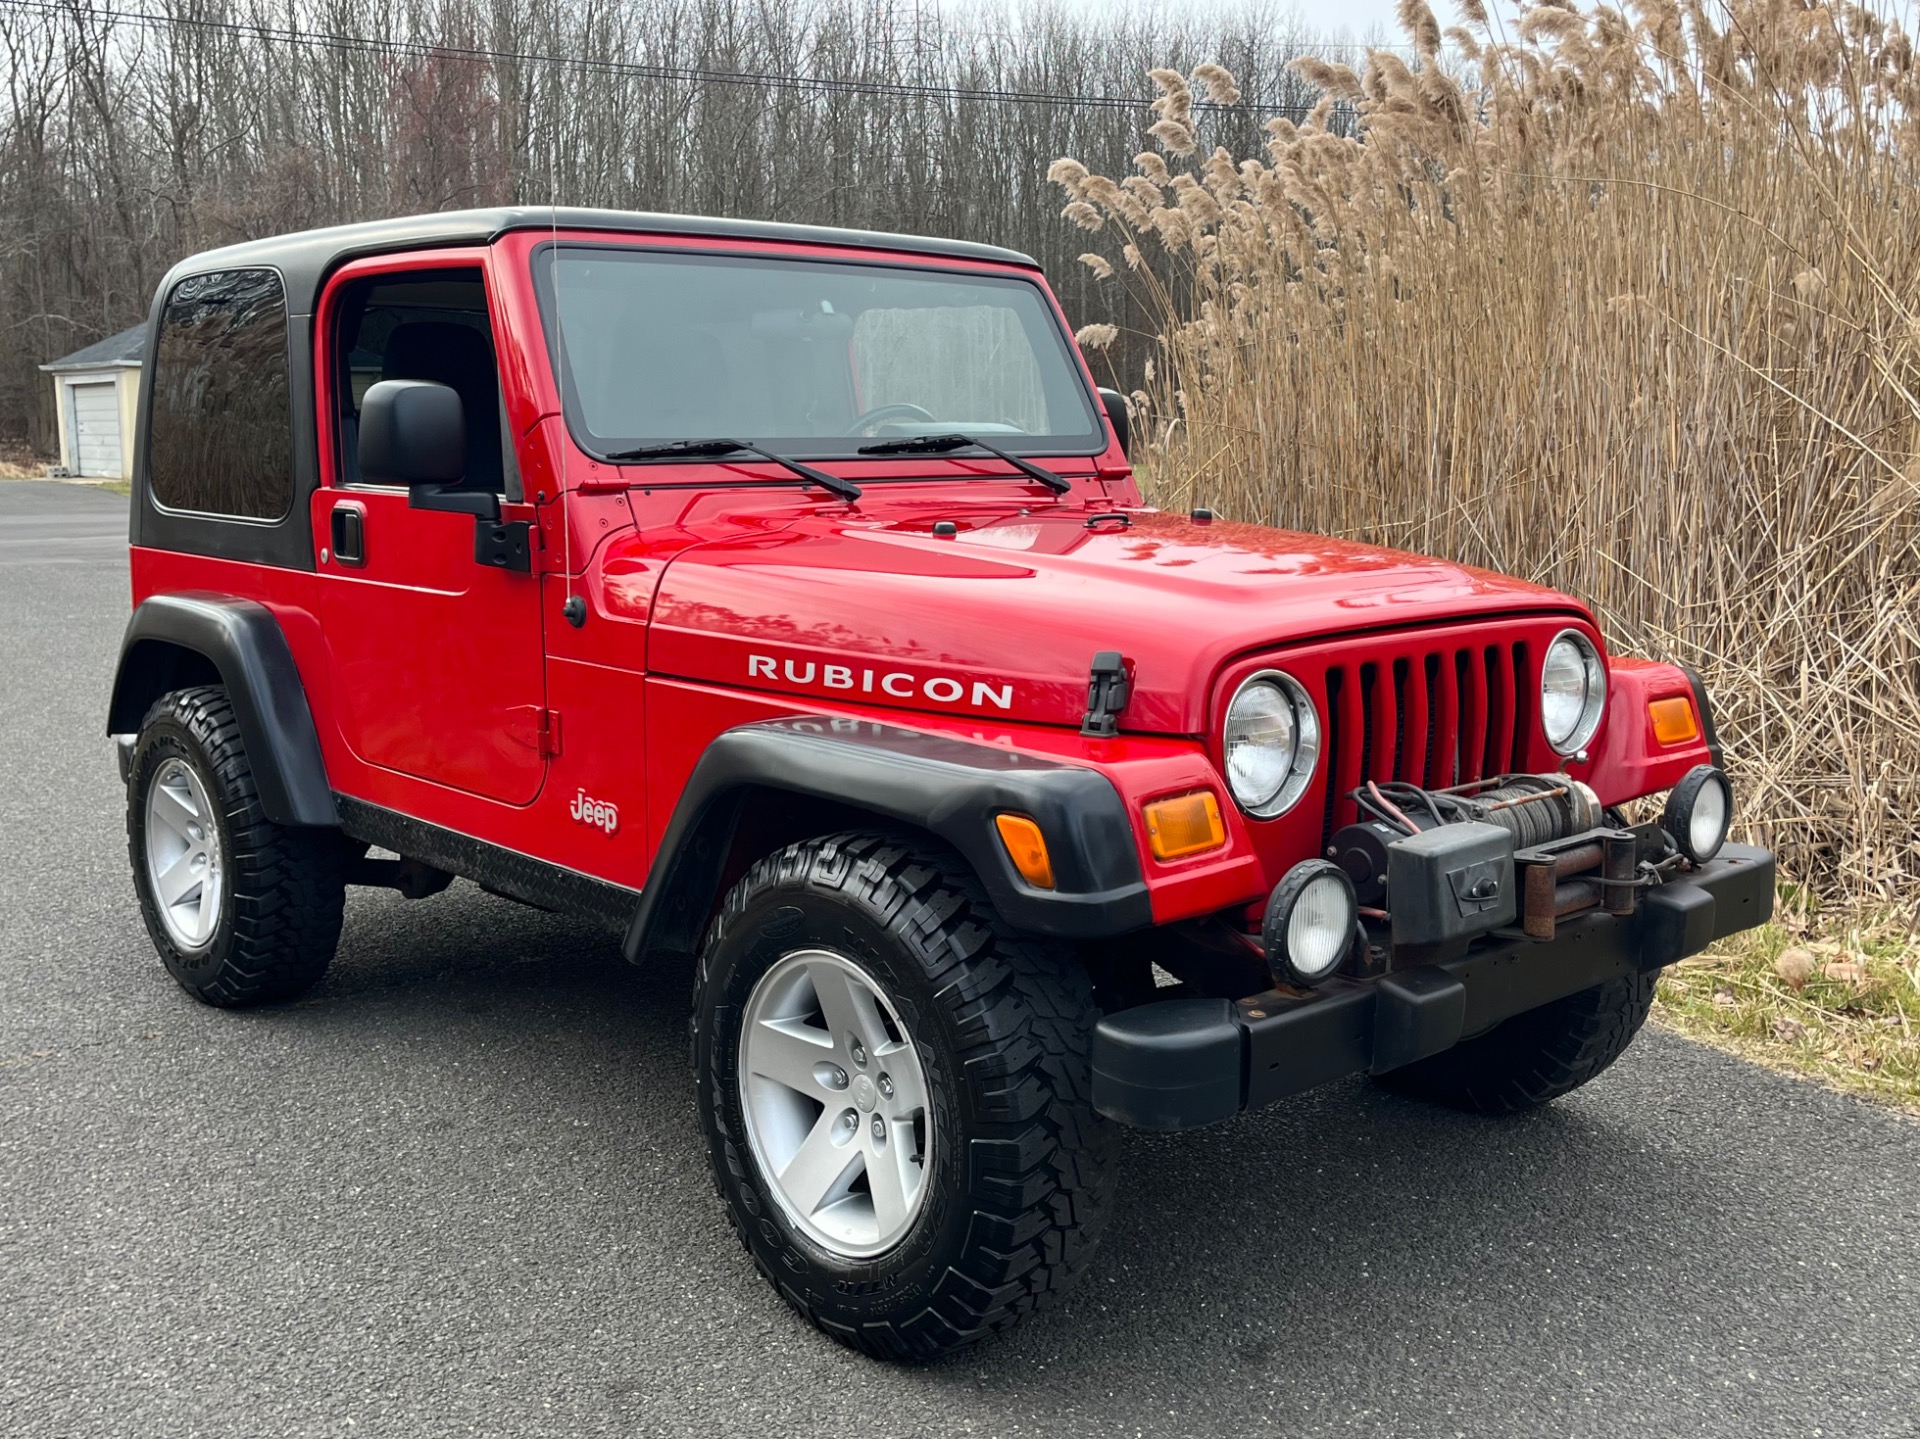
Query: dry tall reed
x,y
1627,303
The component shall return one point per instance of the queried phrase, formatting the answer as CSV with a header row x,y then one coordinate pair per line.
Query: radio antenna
x,y
573,608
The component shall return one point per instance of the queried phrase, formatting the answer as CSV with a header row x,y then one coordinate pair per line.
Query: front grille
x,y
1441,715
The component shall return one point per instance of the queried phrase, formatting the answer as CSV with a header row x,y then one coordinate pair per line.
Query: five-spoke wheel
x,y
183,854
835,1103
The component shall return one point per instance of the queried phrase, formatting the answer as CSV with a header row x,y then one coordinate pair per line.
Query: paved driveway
x,y
459,1191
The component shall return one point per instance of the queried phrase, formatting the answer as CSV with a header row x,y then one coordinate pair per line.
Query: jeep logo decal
x,y
596,812
900,684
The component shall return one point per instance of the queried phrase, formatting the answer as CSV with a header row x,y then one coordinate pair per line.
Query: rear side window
x,y
220,430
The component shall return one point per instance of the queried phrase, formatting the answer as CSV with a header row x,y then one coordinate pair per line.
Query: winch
x,y
1534,809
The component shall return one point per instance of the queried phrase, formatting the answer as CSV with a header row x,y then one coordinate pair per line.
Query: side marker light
x,y
1027,848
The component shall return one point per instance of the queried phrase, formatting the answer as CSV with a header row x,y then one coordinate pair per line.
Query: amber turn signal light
x,y
1186,824
1673,720
1027,848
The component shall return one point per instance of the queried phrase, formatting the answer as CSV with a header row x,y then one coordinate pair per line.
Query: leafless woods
x,y
137,131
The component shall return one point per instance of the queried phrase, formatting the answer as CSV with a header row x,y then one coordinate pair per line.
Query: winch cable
x,y
1535,809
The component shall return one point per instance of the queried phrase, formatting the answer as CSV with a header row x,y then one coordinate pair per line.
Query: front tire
x,y
894,1089
1534,1057
242,910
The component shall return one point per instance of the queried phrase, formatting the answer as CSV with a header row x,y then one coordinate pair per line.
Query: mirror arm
x,y
481,504
1115,404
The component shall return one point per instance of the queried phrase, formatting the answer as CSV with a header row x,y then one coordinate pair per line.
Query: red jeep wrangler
x,y
783,596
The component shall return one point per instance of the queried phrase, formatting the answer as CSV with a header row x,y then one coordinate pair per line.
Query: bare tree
x,y
132,139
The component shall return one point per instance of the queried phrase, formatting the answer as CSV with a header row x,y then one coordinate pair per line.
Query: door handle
x,y
349,535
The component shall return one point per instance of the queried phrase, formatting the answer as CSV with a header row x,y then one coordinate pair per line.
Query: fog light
x,y
1699,811
1310,922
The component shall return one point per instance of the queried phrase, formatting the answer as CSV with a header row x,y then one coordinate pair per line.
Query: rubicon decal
x,y
899,684
596,812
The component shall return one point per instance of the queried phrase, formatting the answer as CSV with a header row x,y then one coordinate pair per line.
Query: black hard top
x,y
304,259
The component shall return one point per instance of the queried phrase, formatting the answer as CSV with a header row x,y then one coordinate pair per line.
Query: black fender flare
x,y
246,647
1704,706
949,787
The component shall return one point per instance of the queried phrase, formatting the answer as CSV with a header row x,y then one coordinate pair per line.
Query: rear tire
x,y
242,910
1534,1057
988,1034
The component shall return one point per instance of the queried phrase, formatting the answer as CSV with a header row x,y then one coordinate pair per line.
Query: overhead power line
x,y
687,74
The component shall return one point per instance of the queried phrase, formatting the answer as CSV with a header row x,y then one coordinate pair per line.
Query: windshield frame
x,y
815,449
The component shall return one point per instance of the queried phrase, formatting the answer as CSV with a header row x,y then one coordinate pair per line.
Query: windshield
x,y
805,357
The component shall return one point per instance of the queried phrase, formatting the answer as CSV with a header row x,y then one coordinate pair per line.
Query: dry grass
x,y
1627,303
1843,1009
19,462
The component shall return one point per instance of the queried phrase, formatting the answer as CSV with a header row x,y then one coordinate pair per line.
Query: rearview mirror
x,y
1116,406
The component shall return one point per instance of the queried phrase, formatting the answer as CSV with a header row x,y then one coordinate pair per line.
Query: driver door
x,y
437,663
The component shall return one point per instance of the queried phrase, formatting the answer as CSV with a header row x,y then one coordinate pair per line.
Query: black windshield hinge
x,y
1107,691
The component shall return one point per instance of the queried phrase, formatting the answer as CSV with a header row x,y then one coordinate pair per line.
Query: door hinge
x,y
536,728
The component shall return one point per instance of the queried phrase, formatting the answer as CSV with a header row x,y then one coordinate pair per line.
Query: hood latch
x,y
1107,690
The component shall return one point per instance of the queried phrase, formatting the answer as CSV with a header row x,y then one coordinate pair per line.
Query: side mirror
x,y
414,433
1116,404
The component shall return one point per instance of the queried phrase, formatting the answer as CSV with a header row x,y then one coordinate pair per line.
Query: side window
x,y
424,325
219,434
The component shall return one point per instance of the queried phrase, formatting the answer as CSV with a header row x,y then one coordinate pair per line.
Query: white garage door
x,y
96,429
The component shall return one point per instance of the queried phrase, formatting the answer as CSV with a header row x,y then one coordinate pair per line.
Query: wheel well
x,y
762,784
152,668
177,641
752,822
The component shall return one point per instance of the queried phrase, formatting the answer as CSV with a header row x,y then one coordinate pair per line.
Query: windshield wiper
x,y
695,449
941,444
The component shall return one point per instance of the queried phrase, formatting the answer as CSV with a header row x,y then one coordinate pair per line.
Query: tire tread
x,y
288,884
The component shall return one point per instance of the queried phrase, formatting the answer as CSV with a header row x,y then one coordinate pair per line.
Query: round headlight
x,y
1699,811
1272,743
1573,692
1310,922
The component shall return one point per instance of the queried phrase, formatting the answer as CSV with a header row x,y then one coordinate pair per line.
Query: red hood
x,y
1002,620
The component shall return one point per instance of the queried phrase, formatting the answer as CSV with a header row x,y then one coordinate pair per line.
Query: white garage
x,y
95,392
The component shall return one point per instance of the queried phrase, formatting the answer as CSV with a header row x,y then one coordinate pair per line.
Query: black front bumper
x,y
1187,1062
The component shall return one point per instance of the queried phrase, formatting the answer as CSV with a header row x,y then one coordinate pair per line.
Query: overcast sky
x,y
1357,20
1373,20
1365,19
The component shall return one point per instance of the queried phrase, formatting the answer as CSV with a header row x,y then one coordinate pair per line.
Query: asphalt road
x,y
459,1191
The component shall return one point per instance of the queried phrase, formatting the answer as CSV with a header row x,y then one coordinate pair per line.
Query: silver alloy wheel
x,y
184,868
835,1103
